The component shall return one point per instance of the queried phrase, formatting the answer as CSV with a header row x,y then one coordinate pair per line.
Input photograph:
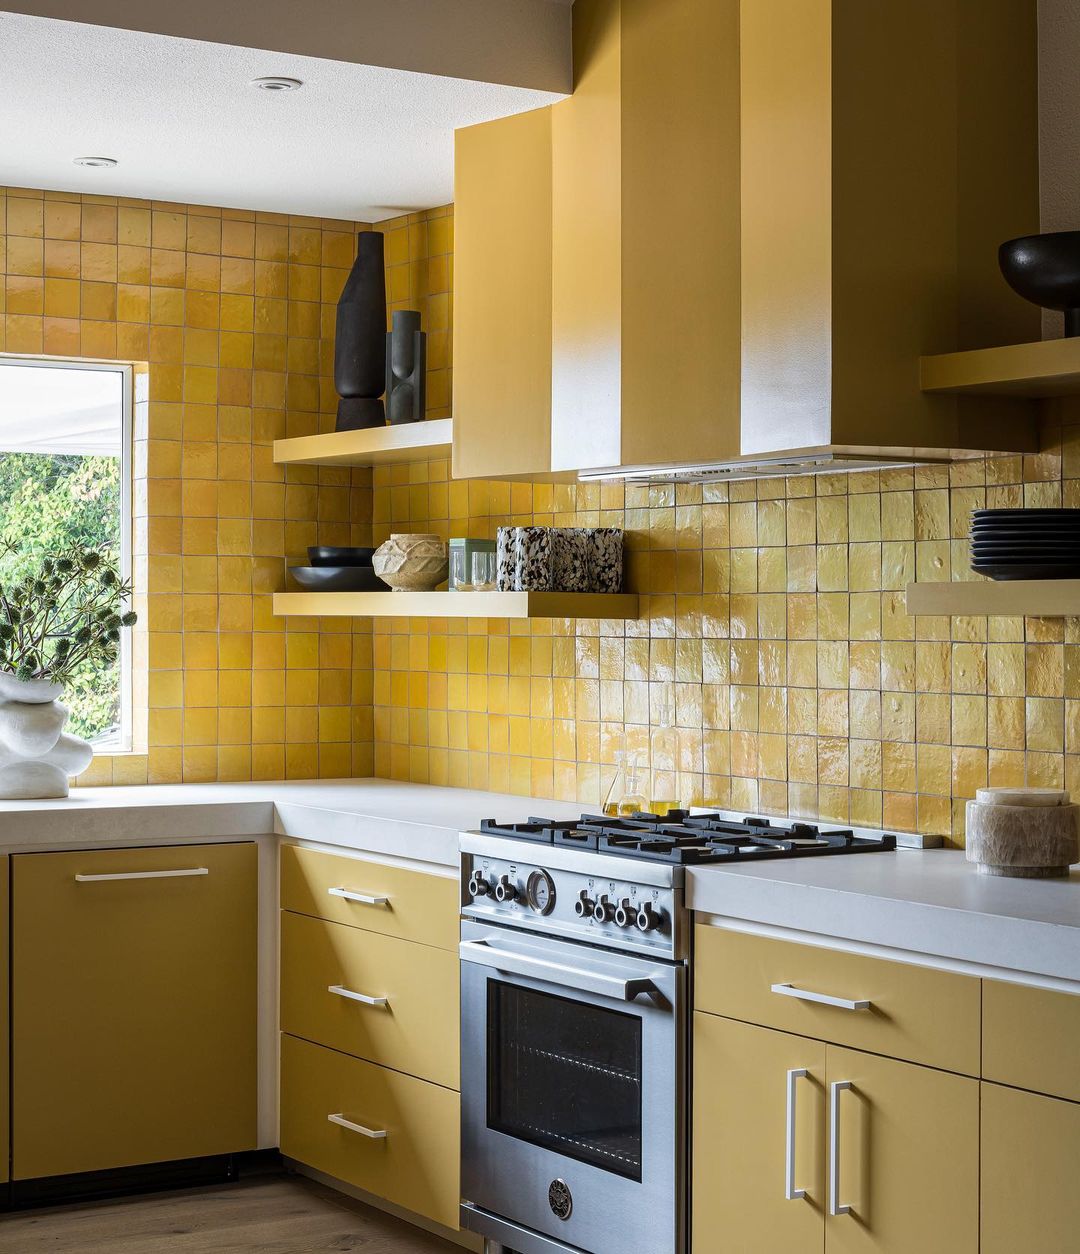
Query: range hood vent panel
x,y
760,468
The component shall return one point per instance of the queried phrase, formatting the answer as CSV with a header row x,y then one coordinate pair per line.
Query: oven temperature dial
x,y
540,892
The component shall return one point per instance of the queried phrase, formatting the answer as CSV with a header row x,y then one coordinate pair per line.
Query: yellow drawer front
x,y
1031,1038
416,1030
915,1013
133,1006
414,1165
5,1141
417,906
1030,1149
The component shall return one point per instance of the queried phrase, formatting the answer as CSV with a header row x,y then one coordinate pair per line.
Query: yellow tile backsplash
x,y
233,314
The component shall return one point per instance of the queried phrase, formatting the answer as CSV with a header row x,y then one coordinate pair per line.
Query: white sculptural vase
x,y
37,757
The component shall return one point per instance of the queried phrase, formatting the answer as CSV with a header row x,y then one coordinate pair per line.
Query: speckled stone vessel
x,y
412,562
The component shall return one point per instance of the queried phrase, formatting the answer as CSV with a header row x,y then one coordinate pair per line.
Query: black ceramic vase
x,y
1045,269
406,368
360,338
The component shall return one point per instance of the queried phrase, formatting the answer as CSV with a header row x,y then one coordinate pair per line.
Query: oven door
x,y
572,1067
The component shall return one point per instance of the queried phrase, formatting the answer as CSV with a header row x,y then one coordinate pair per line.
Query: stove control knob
x,y
583,907
626,913
648,919
603,911
478,886
505,890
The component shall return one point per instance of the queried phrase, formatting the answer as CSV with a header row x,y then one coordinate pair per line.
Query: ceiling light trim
x,y
277,83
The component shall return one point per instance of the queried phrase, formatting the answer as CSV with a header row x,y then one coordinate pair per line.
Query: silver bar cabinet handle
x,y
375,1134
143,875
836,1207
791,1193
487,955
822,999
341,991
365,899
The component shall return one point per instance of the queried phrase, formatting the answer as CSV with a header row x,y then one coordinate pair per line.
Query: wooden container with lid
x,y
1027,833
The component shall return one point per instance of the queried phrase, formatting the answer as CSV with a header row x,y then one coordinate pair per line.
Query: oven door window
x,y
565,1075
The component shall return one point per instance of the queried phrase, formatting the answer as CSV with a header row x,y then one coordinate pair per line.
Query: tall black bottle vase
x,y
360,338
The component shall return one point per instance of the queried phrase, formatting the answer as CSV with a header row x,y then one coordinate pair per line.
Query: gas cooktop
x,y
686,839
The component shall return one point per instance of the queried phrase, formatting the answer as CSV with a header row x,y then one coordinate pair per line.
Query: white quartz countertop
x,y
930,902
379,816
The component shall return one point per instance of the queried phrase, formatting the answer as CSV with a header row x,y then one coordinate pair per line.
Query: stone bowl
x,y
1045,269
412,562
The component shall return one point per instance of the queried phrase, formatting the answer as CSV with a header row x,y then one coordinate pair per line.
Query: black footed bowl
x,y
1045,269
336,555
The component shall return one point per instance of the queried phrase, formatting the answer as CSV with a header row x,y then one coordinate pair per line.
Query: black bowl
x,y
1045,269
331,555
338,579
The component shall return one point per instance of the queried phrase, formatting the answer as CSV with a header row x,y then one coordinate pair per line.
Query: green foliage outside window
x,y
59,557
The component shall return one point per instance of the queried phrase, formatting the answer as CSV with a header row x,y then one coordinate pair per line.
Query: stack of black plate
x,y
1026,543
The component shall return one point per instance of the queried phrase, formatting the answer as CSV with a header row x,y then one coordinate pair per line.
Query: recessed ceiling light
x,y
277,84
96,162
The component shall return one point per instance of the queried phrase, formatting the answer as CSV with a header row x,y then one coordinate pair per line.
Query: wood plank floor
x,y
267,1215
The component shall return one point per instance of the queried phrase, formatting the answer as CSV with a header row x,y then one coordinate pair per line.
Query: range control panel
x,y
617,913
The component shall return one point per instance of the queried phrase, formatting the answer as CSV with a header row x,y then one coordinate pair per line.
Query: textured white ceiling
x,y
356,142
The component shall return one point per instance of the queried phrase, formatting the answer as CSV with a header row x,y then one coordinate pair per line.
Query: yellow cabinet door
x,y
5,1135
907,1162
1030,1152
745,1160
133,1006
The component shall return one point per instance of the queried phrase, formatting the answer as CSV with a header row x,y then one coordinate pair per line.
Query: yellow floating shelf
x,y
372,446
458,604
1035,598
1044,368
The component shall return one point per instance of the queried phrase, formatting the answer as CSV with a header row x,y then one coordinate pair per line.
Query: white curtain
x,y
45,409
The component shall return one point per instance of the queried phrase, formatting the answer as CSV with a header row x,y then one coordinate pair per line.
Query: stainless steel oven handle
x,y
623,988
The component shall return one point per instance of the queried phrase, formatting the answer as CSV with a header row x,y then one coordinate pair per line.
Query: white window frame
x,y
125,370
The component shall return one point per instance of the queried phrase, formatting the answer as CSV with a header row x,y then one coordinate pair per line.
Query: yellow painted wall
x,y
234,312
773,612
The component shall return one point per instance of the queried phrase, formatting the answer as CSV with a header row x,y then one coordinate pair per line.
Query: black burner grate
x,y
685,839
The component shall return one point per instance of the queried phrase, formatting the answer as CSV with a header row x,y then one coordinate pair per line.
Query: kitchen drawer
x,y
914,1013
417,906
413,1164
415,1031
1030,1038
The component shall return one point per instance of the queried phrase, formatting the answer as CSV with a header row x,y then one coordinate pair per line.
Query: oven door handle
x,y
622,988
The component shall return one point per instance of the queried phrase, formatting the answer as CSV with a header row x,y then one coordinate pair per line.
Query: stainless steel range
x,y
575,1017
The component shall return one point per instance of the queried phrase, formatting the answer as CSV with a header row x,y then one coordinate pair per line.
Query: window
x,y
64,482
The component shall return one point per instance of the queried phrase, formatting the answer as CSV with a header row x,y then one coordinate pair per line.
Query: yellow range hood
x,y
872,200
725,254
